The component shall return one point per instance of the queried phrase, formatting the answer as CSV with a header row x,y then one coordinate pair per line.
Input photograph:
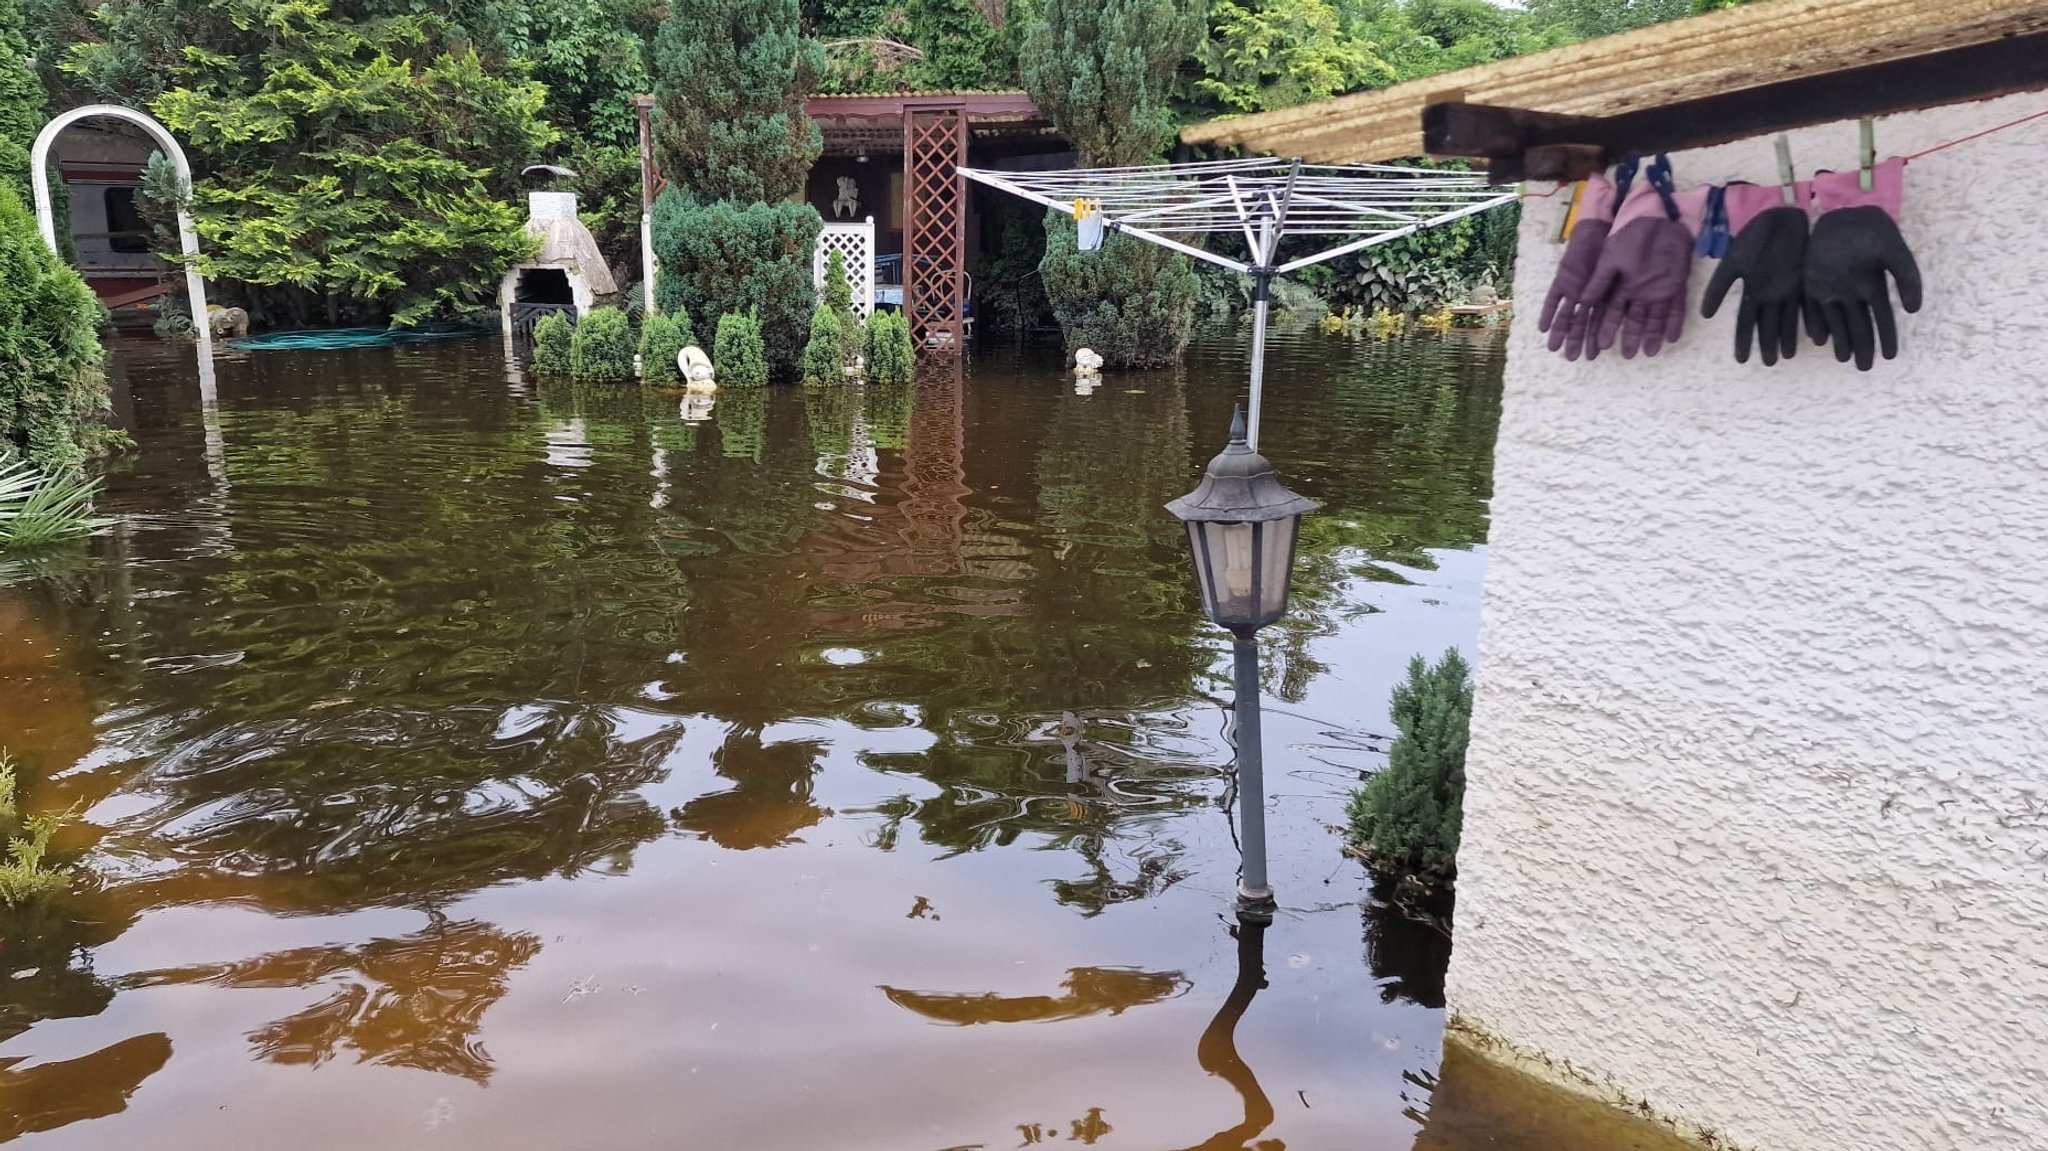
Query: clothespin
x,y
1570,219
1868,130
1788,176
1659,176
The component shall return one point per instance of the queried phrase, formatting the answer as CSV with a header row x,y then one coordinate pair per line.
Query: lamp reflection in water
x,y
1216,1051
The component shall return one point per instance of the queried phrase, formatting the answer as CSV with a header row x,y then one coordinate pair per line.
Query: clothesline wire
x,y
1909,158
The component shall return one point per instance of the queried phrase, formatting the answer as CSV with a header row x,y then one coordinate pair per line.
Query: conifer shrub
x,y
824,356
53,387
602,346
1405,820
662,336
839,298
552,338
891,358
1132,302
738,353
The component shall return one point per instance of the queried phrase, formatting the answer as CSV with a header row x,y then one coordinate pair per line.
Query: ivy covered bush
x,y
824,356
662,337
602,346
891,357
553,337
53,386
1405,820
1132,302
738,353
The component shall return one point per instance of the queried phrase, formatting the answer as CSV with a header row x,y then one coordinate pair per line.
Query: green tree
x,y
738,354
1267,54
662,338
1589,18
602,348
823,355
554,338
350,169
891,359
730,79
1103,71
21,99
1406,819
53,389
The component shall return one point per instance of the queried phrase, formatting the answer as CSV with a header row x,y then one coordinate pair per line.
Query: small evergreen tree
x,y
1405,820
730,80
1103,70
839,298
602,347
53,389
662,337
552,338
738,352
824,355
891,357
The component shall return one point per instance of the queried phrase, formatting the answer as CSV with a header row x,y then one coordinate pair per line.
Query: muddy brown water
x,y
471,763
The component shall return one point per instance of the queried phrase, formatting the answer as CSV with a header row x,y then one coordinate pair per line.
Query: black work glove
x,y
1768,255
1855,245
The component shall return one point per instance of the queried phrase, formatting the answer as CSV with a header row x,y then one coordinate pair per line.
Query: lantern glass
x,y
1244,569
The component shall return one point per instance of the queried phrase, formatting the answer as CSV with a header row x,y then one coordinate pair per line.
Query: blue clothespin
x,y
1624,176
1659,175
1714,238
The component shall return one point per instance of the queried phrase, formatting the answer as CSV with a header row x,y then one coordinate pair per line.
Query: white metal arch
x,y
188,237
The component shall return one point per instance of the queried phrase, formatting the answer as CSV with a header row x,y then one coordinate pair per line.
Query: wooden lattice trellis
x,y
855,243
935,223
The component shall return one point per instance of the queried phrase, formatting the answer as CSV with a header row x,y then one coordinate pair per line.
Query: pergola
x,y
931,131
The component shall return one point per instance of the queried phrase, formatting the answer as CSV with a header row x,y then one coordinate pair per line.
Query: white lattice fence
x,y
855,243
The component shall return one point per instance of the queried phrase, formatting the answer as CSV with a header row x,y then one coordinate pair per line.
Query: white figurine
x,y
1087,362
699,377
848,203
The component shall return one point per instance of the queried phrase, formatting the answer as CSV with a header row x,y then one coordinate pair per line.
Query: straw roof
x,y
1693,59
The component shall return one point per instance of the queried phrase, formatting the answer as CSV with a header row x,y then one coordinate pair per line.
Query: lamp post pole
x,y
1254,893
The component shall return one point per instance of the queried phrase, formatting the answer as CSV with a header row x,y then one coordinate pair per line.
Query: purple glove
x,y
1855,244
1638,287
1768,256
1581,253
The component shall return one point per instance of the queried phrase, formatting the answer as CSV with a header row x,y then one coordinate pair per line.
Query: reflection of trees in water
x,y
742,421
51,1095
1086,991
770,800
416,1001
1407,946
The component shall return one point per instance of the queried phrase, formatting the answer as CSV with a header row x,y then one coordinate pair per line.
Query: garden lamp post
x,y
1242,526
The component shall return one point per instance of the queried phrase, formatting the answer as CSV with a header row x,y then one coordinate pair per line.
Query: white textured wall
x,y
1757,819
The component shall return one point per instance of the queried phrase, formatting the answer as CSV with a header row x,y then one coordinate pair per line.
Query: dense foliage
x,y
602,347
738,352
890,355
53,391
21,99
553,338
1405,820
1132,302
730,79
662,337
354,164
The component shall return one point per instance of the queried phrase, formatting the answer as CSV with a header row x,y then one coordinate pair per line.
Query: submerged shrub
x,y
839,298
552,338
1405,820
662,336
24,876
891,359
1132,301
824,355
737,352
602,347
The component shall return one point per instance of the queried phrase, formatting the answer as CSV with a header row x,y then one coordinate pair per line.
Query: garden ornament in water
x,y
231,323
1087,362
699,377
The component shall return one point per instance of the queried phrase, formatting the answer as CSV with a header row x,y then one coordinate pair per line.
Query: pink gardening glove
x,y
1639,284
1855,245
1581,253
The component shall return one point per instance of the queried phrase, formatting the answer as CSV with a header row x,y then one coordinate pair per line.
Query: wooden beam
x,y
1534,145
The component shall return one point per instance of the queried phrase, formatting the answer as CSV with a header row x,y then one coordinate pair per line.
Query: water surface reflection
x,y
533,761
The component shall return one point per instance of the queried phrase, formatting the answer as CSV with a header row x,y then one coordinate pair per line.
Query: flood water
x,y
469,763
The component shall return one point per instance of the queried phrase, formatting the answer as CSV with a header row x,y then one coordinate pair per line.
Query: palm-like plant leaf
x,y
38,509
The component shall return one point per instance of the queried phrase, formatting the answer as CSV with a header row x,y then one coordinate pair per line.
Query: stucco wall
x,y
1757,821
